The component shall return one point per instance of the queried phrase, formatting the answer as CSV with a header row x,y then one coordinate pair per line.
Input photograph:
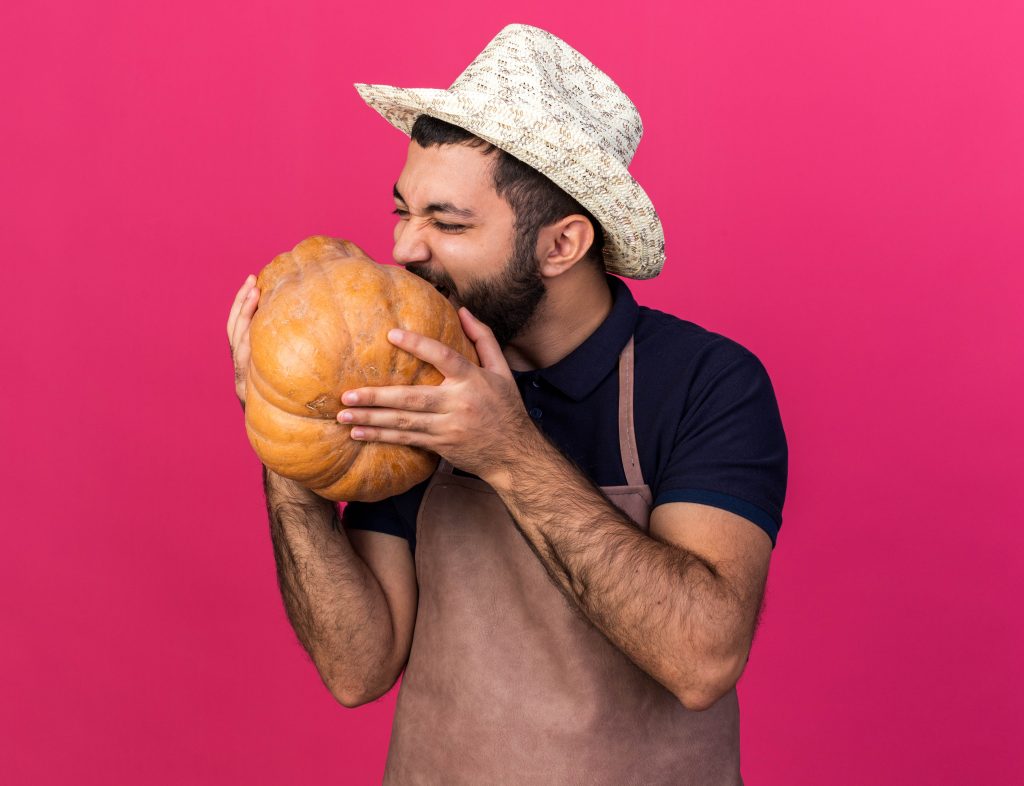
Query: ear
x,y
564,243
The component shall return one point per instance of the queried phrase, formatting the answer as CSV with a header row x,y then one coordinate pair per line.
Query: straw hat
x,y
534,96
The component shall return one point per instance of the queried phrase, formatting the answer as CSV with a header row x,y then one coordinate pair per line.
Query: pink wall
x,y
842,188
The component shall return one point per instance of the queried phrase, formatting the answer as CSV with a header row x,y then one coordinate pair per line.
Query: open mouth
x,y
443,289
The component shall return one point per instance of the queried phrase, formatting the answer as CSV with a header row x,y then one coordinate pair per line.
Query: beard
x,y
505,303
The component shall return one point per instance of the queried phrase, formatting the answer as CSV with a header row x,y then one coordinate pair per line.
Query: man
x,y
574,593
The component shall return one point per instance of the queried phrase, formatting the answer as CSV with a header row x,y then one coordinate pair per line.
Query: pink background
x,y
842,187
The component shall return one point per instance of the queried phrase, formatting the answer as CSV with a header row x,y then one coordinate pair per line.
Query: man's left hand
x,y
475,418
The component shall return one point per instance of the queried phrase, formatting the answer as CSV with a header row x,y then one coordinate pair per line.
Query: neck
x,y
576,303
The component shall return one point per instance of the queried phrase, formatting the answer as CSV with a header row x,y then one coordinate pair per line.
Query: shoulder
x,y
710,421
668,346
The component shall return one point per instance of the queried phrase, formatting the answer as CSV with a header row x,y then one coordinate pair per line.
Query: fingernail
x,y
395,335
350,398
357,433
346,417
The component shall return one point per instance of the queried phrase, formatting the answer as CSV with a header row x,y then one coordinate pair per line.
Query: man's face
x,y
455,232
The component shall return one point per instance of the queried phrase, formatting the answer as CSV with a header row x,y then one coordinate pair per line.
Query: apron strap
x,y
627,434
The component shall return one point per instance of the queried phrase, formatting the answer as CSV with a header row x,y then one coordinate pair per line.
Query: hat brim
x,y
634,242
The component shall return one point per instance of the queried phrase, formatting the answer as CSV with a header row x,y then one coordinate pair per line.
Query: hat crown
x,y
531,68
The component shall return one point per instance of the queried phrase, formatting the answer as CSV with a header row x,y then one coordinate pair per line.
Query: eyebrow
x,y
440,207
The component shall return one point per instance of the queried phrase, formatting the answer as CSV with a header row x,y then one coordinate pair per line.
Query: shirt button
x,y
535,413
535,383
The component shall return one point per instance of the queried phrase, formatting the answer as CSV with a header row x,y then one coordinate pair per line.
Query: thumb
x,y
486,344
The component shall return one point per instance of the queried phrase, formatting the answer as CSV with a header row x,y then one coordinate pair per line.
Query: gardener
x,y
574,592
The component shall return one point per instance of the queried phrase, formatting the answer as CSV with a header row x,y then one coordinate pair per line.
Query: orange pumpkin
x,y
320,329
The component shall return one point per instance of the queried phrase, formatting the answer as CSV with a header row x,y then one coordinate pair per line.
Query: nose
x,y
410,242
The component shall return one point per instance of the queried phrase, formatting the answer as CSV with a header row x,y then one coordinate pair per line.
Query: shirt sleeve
x,y
730,447
394,516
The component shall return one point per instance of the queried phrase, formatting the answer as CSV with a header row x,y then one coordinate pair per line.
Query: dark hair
x,y
536,201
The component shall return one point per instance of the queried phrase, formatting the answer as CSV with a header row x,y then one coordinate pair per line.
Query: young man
x,y
574,593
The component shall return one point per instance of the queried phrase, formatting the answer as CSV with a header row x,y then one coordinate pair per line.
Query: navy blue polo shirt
x,y
708,427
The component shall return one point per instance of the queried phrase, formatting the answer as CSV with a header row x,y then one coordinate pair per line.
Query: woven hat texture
x,y
534,96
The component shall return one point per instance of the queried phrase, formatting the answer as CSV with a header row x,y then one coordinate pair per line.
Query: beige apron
x,y
508,684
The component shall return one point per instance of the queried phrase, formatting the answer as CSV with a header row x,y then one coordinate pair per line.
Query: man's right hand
x,y
238,332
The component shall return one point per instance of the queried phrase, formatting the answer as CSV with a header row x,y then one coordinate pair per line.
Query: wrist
x,y
528,453
285,491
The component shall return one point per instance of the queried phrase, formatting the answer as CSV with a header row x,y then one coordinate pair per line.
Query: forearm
x,y
333,600
664,607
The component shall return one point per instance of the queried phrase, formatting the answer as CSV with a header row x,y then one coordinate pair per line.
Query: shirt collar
x,y
582,370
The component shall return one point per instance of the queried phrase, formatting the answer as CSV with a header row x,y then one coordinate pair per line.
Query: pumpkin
x,y
320,329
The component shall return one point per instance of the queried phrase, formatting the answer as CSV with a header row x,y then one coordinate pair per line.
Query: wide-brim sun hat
x,y
535,97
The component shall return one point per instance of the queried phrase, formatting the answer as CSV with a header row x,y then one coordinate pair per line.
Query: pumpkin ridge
x,y
337,316
423,373
282,401
341,314
339,461
393,356
341,319
372,276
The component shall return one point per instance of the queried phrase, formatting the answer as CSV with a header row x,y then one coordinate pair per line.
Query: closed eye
x,y
449,228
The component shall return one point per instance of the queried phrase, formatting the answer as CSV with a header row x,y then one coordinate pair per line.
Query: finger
x,y
244,317
487,347
413,398
440,356
392,436
398,419
236,306
241,351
